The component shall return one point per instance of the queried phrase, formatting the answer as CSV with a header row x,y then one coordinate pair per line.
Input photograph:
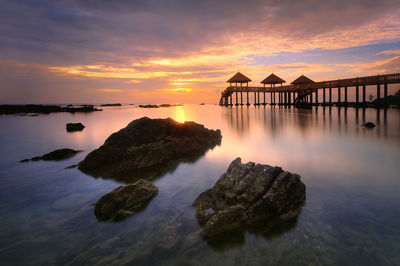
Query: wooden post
x,y
339,96
237,99
345,95
364,96
241,98
316,96
323,96
357,92
330,95
311,99
271,98
247,98
385,92
290,98
378,93
255,100
264,97
284,98
258,98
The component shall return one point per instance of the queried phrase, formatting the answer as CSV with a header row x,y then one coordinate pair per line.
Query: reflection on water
x,y
351,216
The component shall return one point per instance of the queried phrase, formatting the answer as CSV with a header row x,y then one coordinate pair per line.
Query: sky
x,y
184,51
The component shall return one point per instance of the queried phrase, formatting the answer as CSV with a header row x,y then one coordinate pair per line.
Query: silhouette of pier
x,y
304,92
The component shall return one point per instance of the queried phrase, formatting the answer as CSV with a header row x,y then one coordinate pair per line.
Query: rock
x,y
111,104
247,194
147,144
71,127
149,106
57,155
44,109
125,201
170,105
369,125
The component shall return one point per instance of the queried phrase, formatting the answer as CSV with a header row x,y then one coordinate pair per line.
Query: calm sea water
x,y
352,174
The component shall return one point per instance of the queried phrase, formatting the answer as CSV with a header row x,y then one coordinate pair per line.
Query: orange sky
x,y
78,52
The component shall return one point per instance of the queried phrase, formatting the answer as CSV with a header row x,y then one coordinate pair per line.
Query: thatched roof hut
x,y
302,80
272,79
239,78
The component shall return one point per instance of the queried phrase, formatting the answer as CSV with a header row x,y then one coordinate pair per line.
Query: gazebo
x,y
239,78
273,80
302,80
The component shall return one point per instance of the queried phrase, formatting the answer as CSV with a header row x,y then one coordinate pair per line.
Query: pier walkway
x,y
307,93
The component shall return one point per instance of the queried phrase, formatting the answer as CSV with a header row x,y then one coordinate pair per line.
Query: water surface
x,y
352,176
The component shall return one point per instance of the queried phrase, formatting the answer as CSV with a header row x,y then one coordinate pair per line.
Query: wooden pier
x,y
304,92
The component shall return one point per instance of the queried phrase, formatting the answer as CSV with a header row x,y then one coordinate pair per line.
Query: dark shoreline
x,y
44,109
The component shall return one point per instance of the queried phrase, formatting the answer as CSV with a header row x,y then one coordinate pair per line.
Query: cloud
x,y
391,65
110,90
180,47
390,52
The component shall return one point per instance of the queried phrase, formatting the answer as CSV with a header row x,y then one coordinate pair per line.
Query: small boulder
x,y
124,201
249,193
369,125
71,127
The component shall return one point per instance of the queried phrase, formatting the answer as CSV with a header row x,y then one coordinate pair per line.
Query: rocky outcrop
x,y
44,109
71,127
146,144
124,201
249,193
57,155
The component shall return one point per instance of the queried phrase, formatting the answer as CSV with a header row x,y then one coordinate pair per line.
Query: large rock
x,y
125,201
147,144
56,155
249,193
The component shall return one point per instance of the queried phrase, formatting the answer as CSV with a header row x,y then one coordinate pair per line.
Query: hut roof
x,y
272,79
302,80
239,78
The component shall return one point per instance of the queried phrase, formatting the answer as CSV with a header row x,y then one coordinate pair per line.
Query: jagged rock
x,y
57,155
146,144
246,194
125,201
369,125
74,127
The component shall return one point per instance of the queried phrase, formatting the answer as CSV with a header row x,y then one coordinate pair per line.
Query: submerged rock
x,y
125,201
247,194
146,144
369,125
57,155
74,127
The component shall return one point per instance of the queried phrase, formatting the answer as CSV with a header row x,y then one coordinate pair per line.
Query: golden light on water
x,y
180,114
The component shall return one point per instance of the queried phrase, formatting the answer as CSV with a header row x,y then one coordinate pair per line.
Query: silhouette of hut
x,y
239,78
272,80
302,80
